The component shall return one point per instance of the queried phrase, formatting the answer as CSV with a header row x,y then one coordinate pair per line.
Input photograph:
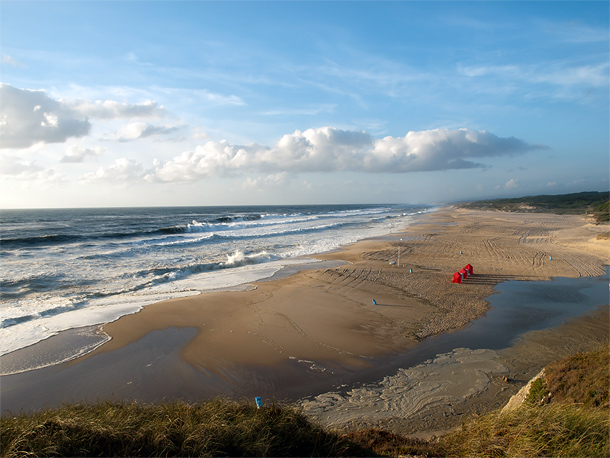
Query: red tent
x,y
457,278
464,273
469,268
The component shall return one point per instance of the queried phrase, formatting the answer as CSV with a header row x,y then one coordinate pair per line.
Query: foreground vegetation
x,y
573,421
592,203
214,428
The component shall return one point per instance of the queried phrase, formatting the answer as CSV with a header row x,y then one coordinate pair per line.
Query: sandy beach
x,y
319,330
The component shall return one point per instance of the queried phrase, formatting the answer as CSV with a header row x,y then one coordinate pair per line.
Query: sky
x,y
171,103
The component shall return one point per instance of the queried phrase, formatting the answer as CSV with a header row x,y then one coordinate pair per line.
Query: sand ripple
x,y
449,378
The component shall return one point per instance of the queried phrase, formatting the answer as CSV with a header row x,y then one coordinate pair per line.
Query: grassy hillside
x,y
595,203
573,421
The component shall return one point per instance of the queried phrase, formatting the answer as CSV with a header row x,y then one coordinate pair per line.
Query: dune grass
x,y
557,430
583,378
215,428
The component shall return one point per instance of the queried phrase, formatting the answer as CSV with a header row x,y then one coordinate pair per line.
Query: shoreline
x,y
61,339
66,342
315,330
228,247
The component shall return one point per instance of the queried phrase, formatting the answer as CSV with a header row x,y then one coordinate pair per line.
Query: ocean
x,y
72,268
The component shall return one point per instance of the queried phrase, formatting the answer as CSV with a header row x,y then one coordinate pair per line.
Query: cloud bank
x,y
329,149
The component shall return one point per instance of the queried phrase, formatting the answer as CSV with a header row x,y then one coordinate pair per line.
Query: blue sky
x,y
217,103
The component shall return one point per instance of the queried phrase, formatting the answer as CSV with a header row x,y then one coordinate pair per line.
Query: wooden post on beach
x,y
399,254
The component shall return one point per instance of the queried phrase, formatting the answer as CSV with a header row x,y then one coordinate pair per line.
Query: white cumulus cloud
x,y
212,158
137,130
28,117
123,170
440,149
270,181
21,169
76,153
513,183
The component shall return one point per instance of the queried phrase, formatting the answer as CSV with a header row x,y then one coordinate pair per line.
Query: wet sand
x,y
436,396
319,329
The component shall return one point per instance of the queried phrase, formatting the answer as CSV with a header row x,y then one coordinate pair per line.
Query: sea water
x,y
70,268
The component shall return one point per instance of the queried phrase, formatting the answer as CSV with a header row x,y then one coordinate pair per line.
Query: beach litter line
x,y
463,274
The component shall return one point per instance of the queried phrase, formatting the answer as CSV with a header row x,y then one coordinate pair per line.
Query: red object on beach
x,y
469,268
464,273
457,278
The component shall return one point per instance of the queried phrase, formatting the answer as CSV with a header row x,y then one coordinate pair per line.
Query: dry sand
x,y
316,329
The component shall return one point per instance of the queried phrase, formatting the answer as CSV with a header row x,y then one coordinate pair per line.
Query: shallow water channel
x,y
524,306
518,307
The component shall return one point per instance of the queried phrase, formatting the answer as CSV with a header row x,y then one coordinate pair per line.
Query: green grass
x,y
538,391
215,428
